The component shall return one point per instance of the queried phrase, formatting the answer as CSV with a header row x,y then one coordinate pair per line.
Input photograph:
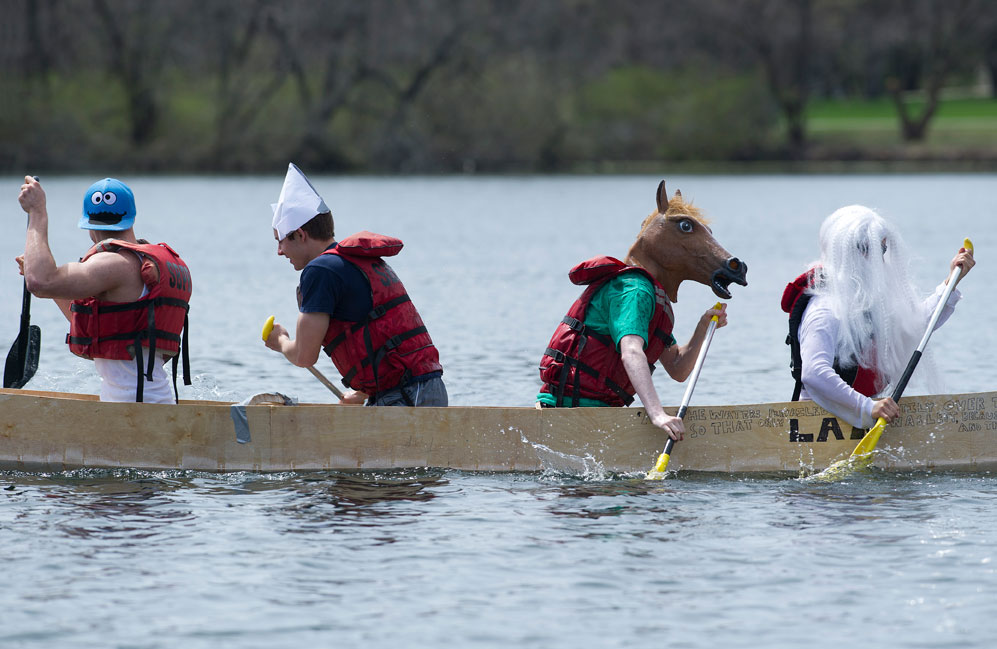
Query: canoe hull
x,y
45,431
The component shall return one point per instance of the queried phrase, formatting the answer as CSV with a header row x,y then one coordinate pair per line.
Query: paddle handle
x,y
268,328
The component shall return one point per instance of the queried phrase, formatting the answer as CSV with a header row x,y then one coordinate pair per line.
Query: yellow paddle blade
x,y
660,467
841,469
860,458
267,328
868,443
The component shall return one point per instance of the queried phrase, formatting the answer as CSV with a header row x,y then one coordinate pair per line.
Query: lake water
x,y
427,558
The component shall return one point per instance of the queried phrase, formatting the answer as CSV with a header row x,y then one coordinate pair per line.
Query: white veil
x,y
867,282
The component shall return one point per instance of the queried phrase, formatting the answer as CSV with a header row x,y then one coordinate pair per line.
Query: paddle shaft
x,y
16,371
326,382
693,378
16,367
658,472
916,356
22,337
868,444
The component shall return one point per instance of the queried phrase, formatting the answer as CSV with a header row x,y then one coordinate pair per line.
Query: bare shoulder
x,y
113,276
108,263
112,257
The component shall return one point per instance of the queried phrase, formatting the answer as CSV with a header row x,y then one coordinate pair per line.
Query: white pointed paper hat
x,y
298,203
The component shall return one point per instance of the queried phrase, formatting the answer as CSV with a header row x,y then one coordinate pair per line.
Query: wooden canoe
x,y
50,431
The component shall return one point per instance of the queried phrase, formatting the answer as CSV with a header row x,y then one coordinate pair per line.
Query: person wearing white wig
x,y
859,316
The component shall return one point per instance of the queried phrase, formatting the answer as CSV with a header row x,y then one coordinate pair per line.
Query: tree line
x,y
462,85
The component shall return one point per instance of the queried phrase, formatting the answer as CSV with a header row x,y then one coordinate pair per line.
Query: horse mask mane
x,y
675,244
675,207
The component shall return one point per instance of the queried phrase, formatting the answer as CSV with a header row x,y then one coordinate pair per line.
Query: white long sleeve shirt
x,y
818,332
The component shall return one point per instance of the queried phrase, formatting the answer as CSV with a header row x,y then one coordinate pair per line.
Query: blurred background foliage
x,y
444,86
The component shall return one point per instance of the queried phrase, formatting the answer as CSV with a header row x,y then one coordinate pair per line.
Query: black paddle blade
x,y
22,360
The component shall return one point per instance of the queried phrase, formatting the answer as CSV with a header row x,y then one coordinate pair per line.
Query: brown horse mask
x,y
675,244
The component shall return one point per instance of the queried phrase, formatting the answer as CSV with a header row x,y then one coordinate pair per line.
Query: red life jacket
x,y
580,363
392,345
120,330
795,299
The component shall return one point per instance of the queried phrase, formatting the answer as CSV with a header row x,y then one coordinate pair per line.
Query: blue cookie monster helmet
x,y
108,205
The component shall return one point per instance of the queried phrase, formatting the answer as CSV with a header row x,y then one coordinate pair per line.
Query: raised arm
x,y
962,258
678,360
44,278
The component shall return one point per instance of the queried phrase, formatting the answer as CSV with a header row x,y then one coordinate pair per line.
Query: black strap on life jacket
x,y
375,357
572,360
847,374
374,314
558,389
150,333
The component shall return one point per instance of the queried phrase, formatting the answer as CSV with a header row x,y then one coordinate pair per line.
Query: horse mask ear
x,y
662,198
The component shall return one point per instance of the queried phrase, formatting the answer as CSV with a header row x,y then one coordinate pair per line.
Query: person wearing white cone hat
x,y
352,306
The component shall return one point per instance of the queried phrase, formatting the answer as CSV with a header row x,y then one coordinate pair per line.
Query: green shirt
x,y
622,307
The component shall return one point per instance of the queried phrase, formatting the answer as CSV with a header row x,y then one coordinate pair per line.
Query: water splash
x,y
206,388
555,464
841,469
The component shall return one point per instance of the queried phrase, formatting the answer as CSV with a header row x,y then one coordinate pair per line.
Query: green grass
x,y
976,115
883,108
958,125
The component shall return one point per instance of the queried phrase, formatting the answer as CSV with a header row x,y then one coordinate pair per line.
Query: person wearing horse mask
x,y
604,350
856,318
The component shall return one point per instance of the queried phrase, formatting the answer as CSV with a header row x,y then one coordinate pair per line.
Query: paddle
x,y
862,455
268,327
22,359
658,472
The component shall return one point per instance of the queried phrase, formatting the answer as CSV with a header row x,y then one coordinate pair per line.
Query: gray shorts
x,y
430,392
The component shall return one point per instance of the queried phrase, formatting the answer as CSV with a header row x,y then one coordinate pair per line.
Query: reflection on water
x,y
627,489
260,558
362,498
354,492
137,504
103,504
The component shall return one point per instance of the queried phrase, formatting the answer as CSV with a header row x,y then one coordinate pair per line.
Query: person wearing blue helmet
x,y
126,299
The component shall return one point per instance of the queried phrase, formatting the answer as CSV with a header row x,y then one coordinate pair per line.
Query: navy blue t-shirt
x,y
330,284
